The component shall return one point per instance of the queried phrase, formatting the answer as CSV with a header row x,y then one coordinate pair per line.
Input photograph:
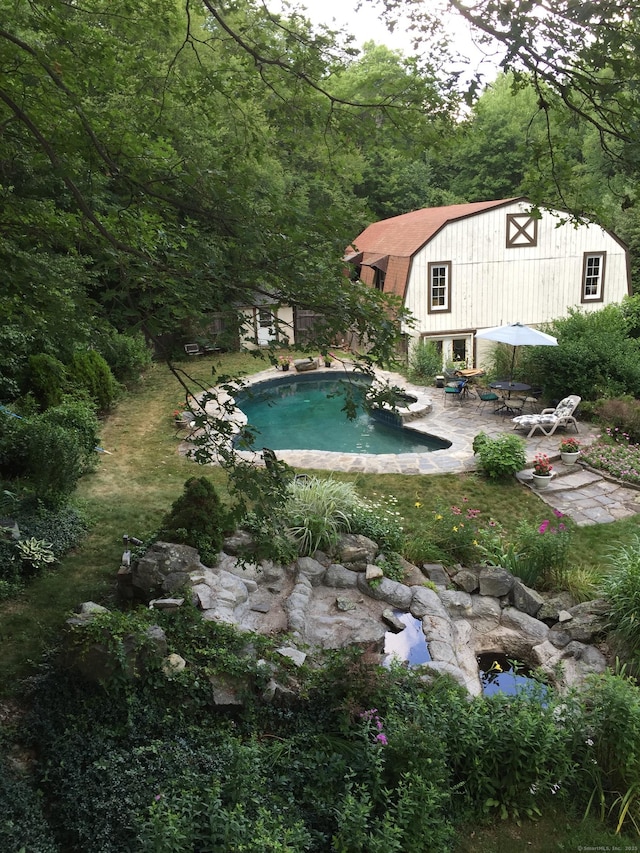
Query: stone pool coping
x,y
456,422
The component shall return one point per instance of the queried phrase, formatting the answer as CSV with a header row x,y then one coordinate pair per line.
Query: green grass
x,y
143,473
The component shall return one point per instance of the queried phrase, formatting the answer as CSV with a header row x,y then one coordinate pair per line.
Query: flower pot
x,y
541,481
569,458
284,367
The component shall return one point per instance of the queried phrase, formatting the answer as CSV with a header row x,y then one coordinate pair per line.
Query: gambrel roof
x,y
404,235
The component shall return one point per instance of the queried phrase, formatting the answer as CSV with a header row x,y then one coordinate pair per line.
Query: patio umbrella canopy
x,y
517,335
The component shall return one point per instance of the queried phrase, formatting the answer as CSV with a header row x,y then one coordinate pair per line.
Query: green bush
x,y
23,826
128,355
425,362
90,372
197,518
500,457
622,416
47,378
55,459
78,417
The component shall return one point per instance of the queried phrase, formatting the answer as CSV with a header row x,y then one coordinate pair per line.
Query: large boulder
x,y
164,568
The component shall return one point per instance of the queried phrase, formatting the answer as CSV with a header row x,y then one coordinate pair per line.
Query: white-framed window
x,y
440,287
593,268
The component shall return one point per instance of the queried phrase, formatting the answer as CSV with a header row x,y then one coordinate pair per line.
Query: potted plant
x,y
542,469
283,362
569,450
327,359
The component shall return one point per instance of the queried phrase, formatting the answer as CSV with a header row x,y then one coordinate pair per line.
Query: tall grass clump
x,y
425,362
621,588
317,511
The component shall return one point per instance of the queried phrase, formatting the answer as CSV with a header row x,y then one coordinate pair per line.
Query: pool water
x,y
298,413
408,646
498,674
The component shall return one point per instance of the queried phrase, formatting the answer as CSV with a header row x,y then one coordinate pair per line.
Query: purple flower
x,y
382,738
558,514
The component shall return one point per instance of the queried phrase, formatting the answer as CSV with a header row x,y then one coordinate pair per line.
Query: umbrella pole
x,y
513,361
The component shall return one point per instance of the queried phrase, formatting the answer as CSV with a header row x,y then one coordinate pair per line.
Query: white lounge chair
x,y
549,420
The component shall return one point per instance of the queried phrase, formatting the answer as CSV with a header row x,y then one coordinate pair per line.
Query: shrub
x,y
35,553
55,459
47,379
425,362
128,355
91,373
621,416
79,417
63,526
317,511
23,826
197,518
499,457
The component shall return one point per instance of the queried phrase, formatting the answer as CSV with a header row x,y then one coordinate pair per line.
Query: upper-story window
x,y
440,287
522,230
593,276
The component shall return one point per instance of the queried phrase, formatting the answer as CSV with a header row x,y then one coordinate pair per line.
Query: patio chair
x,y
486,395
549,420
455,391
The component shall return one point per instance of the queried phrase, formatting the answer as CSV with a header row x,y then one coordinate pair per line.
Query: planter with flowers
x,y
542,471
569,450
284,362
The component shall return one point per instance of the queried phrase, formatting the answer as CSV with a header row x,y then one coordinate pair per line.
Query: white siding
x,y
492,285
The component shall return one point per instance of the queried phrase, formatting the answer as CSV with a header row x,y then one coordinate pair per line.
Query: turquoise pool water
x,y
296,413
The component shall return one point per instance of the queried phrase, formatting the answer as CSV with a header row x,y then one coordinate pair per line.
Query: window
x,y
378,280
522,230
593,276
440,287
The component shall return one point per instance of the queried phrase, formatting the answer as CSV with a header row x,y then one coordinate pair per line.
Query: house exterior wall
x,y
491,284
253,338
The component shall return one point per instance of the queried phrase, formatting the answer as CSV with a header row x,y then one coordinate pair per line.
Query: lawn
x,y
142,473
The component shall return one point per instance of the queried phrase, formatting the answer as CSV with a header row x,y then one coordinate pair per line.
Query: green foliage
x,y
128,355
197,518
595,357
24,826
47,379
500,457
621,588
449,534
425,362
614,454
612,760
55,459
90,372
64,525
317,511
621,417
79,418
36,553
380,523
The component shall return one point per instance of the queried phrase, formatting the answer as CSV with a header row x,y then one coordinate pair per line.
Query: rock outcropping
x,y
333,602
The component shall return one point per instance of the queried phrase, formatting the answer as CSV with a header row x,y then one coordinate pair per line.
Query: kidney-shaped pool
x,y
301,412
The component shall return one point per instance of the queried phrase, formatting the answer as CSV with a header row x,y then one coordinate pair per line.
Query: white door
x,y
265,327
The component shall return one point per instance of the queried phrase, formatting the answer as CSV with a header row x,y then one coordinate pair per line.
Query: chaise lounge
x,y
549,420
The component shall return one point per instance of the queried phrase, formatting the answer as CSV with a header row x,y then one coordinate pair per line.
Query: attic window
x,y
522,230
593,276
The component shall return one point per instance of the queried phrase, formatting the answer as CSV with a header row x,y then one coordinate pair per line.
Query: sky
x,y
367,25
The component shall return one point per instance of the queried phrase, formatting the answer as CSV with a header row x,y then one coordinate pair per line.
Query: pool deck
x,y
457,422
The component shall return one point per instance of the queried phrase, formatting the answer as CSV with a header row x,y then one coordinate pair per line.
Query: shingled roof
x,y
403,236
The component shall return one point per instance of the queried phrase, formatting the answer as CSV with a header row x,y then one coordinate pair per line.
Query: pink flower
x,y
382,738
543,526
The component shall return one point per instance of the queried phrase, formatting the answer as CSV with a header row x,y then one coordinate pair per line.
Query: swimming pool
x,y
302,412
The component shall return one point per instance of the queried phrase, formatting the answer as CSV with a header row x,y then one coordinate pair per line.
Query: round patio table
x,y
506,385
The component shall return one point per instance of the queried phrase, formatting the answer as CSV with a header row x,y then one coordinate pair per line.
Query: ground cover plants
x,y
144,746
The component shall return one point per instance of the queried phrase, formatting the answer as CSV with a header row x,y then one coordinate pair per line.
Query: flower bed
x,y
615,454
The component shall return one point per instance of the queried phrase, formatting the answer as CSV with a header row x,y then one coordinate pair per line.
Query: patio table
x,y
509,387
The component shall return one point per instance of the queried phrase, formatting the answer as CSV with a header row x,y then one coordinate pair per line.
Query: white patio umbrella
x,y
517,335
